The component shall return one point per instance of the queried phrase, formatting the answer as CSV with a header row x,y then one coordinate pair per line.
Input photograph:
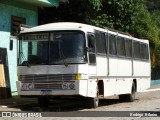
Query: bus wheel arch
x,y
135,83
94,101
131,96
101,87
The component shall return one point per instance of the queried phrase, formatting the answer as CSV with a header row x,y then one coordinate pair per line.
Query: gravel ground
x,y
146,101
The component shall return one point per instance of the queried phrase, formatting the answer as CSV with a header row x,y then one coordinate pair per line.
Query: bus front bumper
x,y
77,89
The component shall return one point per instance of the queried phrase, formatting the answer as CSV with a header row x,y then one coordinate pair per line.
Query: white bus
x,y
74,59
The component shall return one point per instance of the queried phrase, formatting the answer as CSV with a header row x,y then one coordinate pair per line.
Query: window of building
x,y
15,24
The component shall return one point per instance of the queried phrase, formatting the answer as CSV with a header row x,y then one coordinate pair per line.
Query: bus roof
x,y
58,26
76,26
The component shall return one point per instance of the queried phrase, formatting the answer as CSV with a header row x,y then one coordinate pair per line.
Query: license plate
x,y
46,92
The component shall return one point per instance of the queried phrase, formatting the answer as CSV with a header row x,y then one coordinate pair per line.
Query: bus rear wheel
x,y
94,102
129,97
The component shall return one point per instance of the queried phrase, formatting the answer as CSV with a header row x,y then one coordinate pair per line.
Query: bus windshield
x,y
59,47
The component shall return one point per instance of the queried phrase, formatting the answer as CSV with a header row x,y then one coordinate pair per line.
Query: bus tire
x,y
122,98
131,96
43,102
128,97
94,102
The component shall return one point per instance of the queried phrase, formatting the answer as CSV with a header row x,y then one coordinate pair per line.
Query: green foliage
x,y
140,18
145,26
76,11
156,19
96,4
115,14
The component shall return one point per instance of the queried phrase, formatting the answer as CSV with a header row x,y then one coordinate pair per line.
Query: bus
x,y
70,60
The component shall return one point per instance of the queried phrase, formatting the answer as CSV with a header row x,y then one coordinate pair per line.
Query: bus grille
x,y
48,81
46,78
48,86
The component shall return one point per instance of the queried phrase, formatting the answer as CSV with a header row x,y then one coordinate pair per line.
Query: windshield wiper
x,y
25,60
61,54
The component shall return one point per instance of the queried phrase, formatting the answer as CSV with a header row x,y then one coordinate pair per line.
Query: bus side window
x,y
147,52
136,50
112,45
100,42
144,51
91,42
91,49
121,46
128,48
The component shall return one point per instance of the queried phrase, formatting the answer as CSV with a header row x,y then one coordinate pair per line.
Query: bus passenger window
x,y
136,50
120,46
91,46
147,52
144,51
128,47
100,42
91,43
112,45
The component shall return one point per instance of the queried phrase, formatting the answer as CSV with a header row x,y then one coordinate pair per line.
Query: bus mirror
x,y
11,45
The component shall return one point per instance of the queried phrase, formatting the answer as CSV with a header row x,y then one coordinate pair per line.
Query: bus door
x,y
91,54
101,54
91,48
112,64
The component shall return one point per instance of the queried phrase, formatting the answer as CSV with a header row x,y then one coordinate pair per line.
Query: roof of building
x,y
39,3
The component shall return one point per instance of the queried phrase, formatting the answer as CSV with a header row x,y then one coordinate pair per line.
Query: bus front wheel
x,y
94,102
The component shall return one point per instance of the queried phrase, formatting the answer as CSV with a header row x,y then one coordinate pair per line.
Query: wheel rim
x,y
97,99
133,92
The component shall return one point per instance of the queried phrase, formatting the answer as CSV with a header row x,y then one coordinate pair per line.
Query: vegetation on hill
x,y
140,18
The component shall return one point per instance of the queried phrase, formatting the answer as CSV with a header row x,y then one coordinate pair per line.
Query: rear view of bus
x,y
63,60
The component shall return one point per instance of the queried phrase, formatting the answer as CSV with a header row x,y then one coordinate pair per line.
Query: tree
x,y
117,14
75,11
140,18
156,61
154,9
